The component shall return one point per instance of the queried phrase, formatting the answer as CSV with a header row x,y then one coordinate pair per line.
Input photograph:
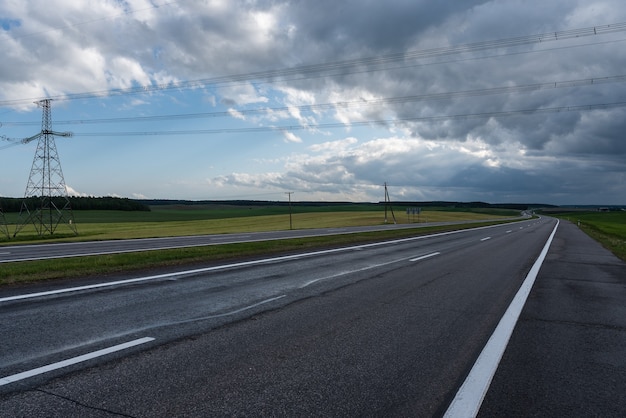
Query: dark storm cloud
x,y
352,27
336,28
564,156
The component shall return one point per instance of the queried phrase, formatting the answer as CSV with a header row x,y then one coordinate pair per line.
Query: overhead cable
x,y
343,65
349,104
286,128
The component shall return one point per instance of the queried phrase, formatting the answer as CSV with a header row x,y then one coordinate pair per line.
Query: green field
x,y
608,228
178,221
174,221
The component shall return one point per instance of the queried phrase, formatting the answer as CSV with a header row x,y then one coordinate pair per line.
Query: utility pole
x,y
4,229
290,221
46,187
388,204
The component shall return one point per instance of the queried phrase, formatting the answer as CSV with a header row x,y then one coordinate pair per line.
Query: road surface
x,y
21,252
371,330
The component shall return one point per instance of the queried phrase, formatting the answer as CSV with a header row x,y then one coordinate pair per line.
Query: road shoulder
x,y
567,354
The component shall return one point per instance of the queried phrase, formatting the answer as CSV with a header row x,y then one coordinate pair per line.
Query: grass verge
x,y
608,228
108,225
77,267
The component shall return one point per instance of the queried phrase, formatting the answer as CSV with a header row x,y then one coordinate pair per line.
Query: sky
x,y
502,101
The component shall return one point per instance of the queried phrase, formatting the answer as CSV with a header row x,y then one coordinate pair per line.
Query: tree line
x,y
9,204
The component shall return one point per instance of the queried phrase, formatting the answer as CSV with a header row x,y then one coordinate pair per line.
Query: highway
x,y
25,252
382,329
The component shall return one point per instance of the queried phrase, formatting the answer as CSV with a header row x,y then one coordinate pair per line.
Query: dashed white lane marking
x,y
54,366
486,238
425,256
509,231
234,265
470,396
343,273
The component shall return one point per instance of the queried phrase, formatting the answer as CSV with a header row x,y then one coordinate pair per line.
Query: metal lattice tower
x,y
46,190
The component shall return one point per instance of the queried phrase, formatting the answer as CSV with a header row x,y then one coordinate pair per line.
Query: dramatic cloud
x,y
441,100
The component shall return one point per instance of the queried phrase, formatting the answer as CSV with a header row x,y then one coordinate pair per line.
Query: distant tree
x,y
81,203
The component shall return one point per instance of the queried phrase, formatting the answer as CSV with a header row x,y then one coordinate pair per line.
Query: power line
x,y
12,144
285,128
345,65
351,104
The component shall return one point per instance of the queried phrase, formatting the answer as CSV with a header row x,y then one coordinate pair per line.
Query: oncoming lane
x,y
16,253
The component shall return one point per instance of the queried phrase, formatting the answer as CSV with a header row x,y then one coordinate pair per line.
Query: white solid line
x,y
54,366
425,256
470,396
486,238
234,265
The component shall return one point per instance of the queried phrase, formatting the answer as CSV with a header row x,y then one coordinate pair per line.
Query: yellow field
x,y
144,225
30,271
126,230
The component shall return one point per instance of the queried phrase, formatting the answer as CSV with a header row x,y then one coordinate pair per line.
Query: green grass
x,y
105,225
608,228
100,225
81,267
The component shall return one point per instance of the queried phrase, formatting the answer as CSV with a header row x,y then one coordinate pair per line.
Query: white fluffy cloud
x,y
287,59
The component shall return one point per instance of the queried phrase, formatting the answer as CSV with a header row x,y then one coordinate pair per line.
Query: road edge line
x,y
472,392
234,265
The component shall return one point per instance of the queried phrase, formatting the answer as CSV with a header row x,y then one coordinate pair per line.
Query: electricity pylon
x,y
46,189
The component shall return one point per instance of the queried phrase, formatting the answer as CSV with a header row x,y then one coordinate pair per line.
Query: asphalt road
x,y
567,354
21,252
375,330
